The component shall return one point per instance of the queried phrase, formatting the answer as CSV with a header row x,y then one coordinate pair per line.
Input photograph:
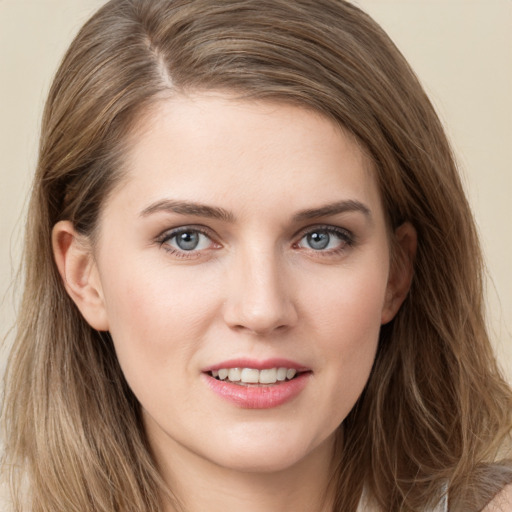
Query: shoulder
x,y
502,502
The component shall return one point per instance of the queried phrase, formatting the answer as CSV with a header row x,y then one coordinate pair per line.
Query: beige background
x,y
461,50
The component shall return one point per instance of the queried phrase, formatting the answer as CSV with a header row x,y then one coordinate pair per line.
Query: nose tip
x,y
259,320
260,303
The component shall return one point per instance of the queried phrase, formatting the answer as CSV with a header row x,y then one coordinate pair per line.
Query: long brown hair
x,y
436,411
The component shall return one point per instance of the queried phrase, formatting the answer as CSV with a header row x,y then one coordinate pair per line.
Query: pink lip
x,y
257,365
258,396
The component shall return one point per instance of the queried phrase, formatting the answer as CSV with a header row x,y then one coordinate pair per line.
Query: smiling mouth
x,y
252,376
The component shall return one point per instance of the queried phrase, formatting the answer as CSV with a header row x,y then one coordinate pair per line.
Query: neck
x,y
201,485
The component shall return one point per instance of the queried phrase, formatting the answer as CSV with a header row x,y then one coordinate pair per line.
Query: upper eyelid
x,y
164,242
170,232
205,230
348,239
326,227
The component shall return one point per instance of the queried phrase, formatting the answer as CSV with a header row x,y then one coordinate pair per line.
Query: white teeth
x,y
235,374
250,376
281,374
268,376
253,376
290,373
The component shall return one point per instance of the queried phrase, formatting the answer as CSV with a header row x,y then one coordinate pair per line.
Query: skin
x,y
502,502
254,287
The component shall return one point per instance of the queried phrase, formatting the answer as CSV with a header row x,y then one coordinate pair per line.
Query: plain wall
x,y
461,50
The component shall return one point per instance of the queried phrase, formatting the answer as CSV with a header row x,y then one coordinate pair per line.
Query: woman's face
x,y
246,239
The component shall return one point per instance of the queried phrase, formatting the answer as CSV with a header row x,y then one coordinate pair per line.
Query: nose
x,y
260,297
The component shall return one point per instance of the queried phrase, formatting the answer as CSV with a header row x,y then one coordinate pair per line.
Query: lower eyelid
x,y
346,240
190,255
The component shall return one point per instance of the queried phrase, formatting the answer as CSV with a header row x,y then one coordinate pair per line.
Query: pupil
x,y
187,241
318,240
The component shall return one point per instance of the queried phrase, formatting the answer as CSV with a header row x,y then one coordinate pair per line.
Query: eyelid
x,y
346,235
344,232
170,233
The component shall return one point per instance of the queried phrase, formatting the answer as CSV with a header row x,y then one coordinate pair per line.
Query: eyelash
x,y
346,237
167,236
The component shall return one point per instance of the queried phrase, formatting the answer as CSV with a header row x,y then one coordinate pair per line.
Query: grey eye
x,y
323,239
318,240
187,241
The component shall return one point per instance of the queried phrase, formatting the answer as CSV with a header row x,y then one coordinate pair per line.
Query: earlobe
x,y
401,271
79,273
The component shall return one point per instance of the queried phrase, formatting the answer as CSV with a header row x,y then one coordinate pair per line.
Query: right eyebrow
x,y
188,208
334,209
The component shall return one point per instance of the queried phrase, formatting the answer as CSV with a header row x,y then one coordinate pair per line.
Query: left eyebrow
x,y
333,209
188,208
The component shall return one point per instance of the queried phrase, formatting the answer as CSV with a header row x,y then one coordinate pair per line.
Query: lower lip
x,y
258,397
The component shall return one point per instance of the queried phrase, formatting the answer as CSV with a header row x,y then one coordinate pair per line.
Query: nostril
x,y
261,330
259,305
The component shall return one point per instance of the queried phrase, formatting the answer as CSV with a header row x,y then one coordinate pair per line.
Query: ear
x,y
78,270
402,269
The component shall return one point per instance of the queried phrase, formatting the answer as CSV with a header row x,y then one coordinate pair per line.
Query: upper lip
x,y
265,364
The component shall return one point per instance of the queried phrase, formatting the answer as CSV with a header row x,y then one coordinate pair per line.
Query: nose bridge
x,y
260,299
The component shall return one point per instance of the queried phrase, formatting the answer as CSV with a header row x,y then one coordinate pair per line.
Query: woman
x,y
252,278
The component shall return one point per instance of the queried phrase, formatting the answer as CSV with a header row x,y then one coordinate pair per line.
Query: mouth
x,y
255,377
253,384
257,384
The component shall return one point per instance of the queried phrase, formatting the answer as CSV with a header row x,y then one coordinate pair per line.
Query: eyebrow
x,y
333,209
188,208
214,212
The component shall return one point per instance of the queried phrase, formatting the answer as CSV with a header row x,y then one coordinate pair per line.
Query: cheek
x,y
349,304
156,320
345,317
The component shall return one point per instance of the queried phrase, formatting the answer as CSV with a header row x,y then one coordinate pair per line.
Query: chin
x,y
272,463
270,455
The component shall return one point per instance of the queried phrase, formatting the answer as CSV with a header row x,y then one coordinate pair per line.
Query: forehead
x,y
214,148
